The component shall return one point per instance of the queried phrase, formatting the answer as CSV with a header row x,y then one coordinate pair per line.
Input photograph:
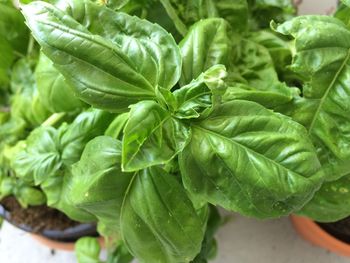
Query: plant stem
x,y
30,46
144,13
18,54
53,119
180,26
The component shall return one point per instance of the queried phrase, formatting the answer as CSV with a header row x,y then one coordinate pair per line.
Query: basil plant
x,y
145,116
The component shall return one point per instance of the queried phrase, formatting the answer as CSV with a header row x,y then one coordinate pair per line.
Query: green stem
x,y
30,46
144,13
180,26
53,119
18,54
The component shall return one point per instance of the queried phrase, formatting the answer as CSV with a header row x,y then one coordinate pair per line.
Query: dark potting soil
x,y
38,218
339,229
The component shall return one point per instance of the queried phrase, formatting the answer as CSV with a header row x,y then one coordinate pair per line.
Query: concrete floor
x,y
241,240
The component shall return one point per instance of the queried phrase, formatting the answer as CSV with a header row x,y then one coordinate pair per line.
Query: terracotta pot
x,y
58,245
313,233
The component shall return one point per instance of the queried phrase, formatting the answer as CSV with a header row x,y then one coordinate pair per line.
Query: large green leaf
x,y
331,203
246,158
48,154
208,43
107,72
322,59
40,158
58,96
139,39
97,184
151,136
158,221
12,27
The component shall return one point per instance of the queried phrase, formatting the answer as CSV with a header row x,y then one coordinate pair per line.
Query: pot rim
x,y
60,245
313,233
67,235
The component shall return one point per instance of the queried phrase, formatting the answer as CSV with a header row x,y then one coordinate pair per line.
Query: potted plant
x,y
30,101
194,124
224,111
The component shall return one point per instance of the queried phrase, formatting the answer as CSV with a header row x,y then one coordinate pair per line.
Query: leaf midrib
x,y
247,149
86,36
325,96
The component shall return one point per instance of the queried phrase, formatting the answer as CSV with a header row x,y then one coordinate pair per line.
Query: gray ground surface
x,y
241,240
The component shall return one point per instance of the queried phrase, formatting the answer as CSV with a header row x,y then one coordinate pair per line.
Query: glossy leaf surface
x,y
207,44
151,136
323,61
245,158
158,221
97,184
109,73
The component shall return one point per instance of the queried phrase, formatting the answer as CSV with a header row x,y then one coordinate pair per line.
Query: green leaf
x,y
248,159
323,61
253,66
300,109
280,49
201,95
151,136
343,12
84,128
26,104
263,11
30,196
87,250
5,62
120,255
7,186
271,99
116,4
48,149
208,43
115,129
40,157
12,130
55,189
105,71
97,184
12,28
331,203
209,244
187,12
59,97
158,221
